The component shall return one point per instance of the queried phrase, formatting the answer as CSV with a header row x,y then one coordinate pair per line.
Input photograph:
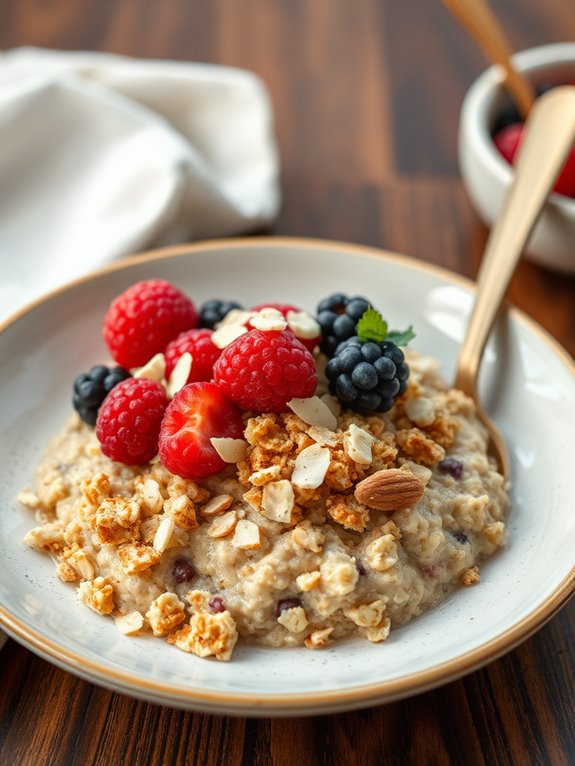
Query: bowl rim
x,y
305,703
482,92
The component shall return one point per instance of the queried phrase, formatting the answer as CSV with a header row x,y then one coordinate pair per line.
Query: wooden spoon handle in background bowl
x,y
479,21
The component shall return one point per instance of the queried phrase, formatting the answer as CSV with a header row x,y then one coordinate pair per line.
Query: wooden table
x,y
366,96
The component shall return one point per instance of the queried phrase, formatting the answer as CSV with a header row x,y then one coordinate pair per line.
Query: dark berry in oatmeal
x,y
92,387
183,571
287,603
451,466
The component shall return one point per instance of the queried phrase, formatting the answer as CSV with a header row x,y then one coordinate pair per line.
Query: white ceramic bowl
x,y
486,175
527,385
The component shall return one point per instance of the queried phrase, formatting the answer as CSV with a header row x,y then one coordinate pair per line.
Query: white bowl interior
x,y
526,384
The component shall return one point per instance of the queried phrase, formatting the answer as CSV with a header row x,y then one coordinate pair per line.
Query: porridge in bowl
x,y
270,476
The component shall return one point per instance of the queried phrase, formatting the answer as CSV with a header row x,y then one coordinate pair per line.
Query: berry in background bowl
x,y
489,133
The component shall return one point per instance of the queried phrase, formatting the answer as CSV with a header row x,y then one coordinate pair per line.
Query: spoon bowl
x,y
549,135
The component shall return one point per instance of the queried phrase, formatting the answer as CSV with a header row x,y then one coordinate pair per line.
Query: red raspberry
x,y
129,421
284,309
204,353
262,371
198,412
144,319
507,141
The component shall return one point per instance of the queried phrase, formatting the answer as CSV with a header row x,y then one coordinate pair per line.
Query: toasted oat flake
x,y
230,450
311,467
216,505
247,535
223,525
278,501
357,444
227,334
314,412
154,369
131,623
180,374
164,534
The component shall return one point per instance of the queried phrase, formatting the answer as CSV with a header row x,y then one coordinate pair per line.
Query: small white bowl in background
x,y
486,175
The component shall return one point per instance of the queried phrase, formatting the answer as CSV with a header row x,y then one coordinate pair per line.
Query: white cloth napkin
x,y
102,155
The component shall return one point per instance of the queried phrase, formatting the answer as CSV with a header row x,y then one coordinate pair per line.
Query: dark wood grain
x,y
366,96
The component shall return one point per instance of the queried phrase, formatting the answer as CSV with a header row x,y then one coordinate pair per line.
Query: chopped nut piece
x,y
67,573
165,613
223,525
208,635
230,450
129,624
117,521
269,319
182,510
382,553
218,504
247,535
308,580
98,595
314,412
420,409
278,501
263,476
318,639
48,537
83,563
470,576
311,467
180,374
308,537
164,534
357,444
152,496
226,334
303,325
293,619
154,369
380,632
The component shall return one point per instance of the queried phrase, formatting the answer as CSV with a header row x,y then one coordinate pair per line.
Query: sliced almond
x,y
227,334
420,409
223,525
311,467
422,472
389,490
264,475
278,501
332,403
154,369
269,319
235,317
357,444
230,450
247,535
314,412
152,496
180,374
322,436
216,505
303,325
164,534
131,623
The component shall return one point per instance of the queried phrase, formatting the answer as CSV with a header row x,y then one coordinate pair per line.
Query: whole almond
x,y
389,490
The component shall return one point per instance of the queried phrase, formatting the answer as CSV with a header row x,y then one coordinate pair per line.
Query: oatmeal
x,y
317,523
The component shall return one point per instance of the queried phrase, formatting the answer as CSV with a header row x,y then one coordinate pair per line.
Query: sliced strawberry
x,y
198,412
284,309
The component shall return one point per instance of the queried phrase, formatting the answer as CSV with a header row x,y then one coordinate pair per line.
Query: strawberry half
x,y
198,412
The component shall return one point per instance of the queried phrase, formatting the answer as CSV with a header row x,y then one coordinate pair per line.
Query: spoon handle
x,y
478,19
548,137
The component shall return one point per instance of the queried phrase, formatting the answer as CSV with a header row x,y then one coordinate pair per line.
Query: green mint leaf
x,y
401,338
372,326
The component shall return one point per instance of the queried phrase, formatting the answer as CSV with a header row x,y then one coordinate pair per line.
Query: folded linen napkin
x,y
102,155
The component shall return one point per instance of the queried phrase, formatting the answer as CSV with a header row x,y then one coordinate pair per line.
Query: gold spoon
x,y
478,19
547,139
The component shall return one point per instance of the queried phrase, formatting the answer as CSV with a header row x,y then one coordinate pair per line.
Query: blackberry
x,y
338,315
367,376
213,311
92,387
